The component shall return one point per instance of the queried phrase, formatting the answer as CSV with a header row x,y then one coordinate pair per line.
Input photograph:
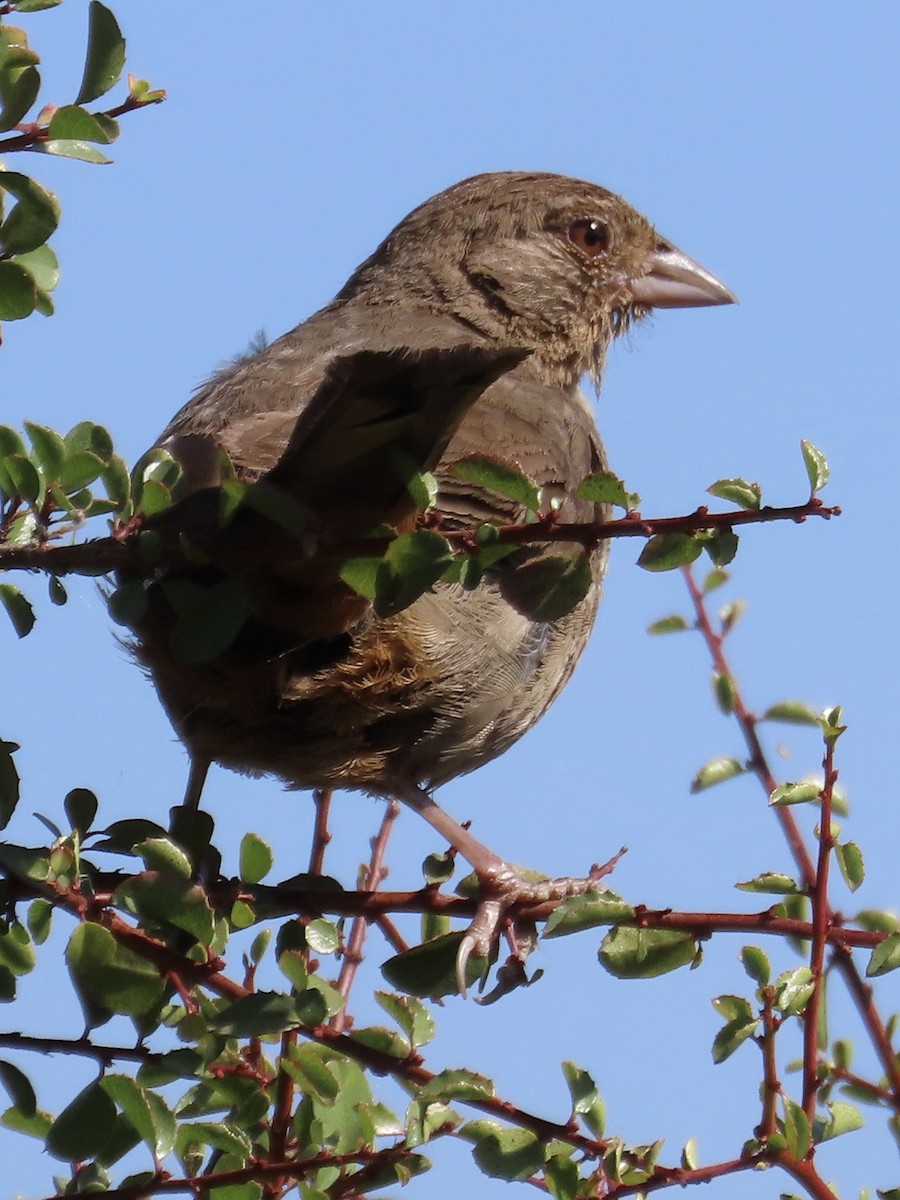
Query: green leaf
x,y
257,1015
226,1137
504,1153
37,1126
18,477
9,782
816,466
549,587
885,957
90,437
18,294
497,475
38,920
152,1120
666,551
80,469
587,911
32,219
796,1129
843,1118
117,481
561,1175
109,976
309,1067
672,624
717,770
49,448
20,82
791,712
57,590
411,564
80,807
128,603
72,122
256,858
730,614
603,487
19,1088
733,1008
715,579
795,793
105,54
171,898
771,883
793,989
739,491
208,618
721,545
17,608
830,724
631,953
84,1126
271,502
161,854
430,969
323,936
850,860
878,920
723,690
457,1084
43,267
582,1088
732,1035
411,1015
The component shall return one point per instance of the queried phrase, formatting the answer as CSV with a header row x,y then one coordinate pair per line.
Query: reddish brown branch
x,y
32,136
821,919
112,554
757,761
353,950
106,1055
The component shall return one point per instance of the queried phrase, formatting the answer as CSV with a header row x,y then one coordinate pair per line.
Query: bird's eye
x,y
590,236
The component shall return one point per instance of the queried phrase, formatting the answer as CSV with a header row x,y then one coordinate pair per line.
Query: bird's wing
x,y
378,418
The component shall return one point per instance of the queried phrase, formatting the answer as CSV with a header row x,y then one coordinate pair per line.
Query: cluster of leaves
x,y
250,1080
29,213
49,487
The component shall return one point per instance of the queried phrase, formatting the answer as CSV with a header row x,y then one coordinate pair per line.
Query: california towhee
x,y
466,331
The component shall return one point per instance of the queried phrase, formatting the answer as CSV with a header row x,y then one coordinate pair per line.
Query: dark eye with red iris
x,y
590,236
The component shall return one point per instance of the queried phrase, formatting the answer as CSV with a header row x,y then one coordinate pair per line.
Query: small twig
x,y
106,1055
30,136
748,723
771,1087
353,951
821,919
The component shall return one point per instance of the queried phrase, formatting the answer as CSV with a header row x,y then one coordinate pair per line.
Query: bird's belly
x,y
431,693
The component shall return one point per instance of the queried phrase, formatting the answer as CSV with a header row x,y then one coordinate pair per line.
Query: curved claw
x,y
479,936
463,954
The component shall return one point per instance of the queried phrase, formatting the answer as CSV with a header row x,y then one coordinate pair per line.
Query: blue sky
x,y
759,138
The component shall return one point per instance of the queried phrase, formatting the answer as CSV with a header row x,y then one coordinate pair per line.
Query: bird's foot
x,y
502,888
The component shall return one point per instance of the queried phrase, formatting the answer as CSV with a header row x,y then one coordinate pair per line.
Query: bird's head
x,y
535,261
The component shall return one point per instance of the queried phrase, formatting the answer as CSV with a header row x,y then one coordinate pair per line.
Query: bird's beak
x,y
673,280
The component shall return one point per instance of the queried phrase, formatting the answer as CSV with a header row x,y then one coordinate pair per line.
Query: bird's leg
x,y
196,779
501,885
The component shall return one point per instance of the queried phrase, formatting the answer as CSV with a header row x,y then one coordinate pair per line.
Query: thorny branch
x,y
103,555
815,880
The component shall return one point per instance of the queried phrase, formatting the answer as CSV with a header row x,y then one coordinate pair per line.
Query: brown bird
x,y
467,331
